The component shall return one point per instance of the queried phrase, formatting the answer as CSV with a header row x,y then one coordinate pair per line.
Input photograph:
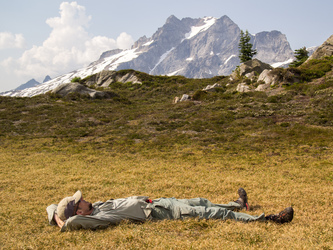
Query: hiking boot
x,y
282,217
242,200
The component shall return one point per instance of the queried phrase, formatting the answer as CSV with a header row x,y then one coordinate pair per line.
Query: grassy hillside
x,y
278,147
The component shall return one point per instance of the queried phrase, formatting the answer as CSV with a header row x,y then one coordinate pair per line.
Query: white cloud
x,y
124,41
68,47
9,40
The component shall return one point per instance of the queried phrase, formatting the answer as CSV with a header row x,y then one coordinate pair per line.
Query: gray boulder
x,y
251,75
129,77
184,98
242,88
105,78
277,76
77,88
263,87
268,77
249,67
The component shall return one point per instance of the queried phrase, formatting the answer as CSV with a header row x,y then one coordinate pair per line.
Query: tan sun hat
x,y
66,206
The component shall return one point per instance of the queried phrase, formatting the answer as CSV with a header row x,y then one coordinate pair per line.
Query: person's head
x,y
83,207
73,205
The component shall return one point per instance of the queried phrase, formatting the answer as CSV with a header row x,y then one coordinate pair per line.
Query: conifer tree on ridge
x,y
246,52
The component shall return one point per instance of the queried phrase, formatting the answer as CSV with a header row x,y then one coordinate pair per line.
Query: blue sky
x,y
39,38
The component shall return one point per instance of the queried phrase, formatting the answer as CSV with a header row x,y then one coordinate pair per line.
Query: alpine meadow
x,y
277,144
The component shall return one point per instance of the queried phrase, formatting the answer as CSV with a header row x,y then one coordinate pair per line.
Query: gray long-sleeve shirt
x,y
106,213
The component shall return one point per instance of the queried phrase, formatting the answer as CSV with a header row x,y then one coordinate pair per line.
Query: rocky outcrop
x,y
243,87
263,87
79,89
326,49
129,77
268,77
279,75
105,78
249,68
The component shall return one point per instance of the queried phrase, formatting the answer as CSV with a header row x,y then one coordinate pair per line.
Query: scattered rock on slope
x,y
243,87
212,88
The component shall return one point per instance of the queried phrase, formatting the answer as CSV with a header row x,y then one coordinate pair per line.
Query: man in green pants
x,y
73,213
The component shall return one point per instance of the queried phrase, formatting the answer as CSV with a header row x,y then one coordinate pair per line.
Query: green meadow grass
x,y
279,148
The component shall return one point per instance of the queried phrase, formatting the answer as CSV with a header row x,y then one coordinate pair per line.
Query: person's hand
x,y
58,220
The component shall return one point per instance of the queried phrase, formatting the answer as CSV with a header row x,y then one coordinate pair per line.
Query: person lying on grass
x,y
73,213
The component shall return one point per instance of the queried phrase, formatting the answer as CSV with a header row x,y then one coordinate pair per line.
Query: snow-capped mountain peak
x,y
194,48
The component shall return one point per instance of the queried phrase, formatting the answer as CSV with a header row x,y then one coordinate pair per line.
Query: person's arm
x,y
78,222
60,223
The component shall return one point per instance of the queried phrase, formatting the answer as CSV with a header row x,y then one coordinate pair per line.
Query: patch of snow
x,y
226,61
148,43
124,56
311,48
161,59
279,64
108,63
174,73
209,21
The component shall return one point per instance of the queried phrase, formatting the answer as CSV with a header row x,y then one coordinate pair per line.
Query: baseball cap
x,y
66,206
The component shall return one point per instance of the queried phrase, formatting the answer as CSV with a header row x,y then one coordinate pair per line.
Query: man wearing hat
x,y
73,213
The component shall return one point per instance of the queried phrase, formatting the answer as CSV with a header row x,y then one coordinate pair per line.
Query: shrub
x,y
76,79
199,95
316,68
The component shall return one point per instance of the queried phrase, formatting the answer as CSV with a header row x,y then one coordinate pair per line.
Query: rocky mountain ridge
x,y
31,83
194,48
326,49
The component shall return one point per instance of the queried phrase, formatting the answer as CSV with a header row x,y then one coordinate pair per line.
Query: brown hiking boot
x,y
242,200
284,216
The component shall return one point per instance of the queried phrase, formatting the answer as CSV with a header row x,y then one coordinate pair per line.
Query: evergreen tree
x,y
301,56
245,47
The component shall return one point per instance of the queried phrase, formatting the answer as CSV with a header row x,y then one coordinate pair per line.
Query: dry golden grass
x,y
33,177
279,148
